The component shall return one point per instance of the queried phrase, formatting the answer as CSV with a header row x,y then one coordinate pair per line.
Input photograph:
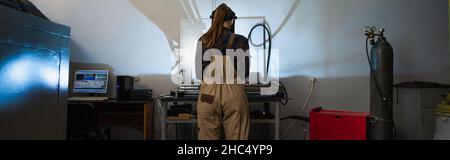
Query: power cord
x,y
266,30
303,109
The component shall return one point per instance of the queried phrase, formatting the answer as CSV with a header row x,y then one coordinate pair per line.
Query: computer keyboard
x,y
88,98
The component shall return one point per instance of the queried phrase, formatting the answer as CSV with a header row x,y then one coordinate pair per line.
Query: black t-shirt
x,y
239,42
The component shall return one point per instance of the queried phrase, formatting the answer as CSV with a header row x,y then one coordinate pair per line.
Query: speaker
x,y
123,87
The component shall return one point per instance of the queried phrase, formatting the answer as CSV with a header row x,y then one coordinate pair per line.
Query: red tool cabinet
x,y
337,125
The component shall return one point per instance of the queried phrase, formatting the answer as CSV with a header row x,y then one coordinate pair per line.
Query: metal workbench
x,y
163,103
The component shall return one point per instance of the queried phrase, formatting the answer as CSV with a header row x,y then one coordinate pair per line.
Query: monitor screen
x,y
91,81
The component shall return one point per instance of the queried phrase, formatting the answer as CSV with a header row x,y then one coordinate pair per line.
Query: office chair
x,y
82,123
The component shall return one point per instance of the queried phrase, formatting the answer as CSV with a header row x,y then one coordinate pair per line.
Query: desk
x,y
127,108
163,103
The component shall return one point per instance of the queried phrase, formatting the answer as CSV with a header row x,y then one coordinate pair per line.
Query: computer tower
x,y
123,87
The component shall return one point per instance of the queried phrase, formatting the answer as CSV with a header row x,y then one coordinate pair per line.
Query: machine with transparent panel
x,y
263,91
193,29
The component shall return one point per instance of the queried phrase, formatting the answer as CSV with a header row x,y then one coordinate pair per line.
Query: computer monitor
x,y
91,82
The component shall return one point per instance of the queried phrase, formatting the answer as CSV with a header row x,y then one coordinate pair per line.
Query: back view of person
x,y
222,107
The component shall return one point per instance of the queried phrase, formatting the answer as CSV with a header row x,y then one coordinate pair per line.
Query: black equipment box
x,y
123,87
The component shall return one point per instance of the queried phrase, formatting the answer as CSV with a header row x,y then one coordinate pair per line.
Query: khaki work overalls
x,y
223,106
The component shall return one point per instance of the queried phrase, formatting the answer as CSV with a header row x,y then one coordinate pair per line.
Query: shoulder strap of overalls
x,y
229,46
230,42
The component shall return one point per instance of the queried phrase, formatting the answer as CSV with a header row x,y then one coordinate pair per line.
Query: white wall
x,y
322,39
114,33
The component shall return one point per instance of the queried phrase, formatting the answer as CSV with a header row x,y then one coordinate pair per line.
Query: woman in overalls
x,y
222,108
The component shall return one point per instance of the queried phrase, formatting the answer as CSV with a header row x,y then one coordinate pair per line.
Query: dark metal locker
x,y
34,71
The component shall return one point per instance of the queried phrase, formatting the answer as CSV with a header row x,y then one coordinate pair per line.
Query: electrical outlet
x,y
312,80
